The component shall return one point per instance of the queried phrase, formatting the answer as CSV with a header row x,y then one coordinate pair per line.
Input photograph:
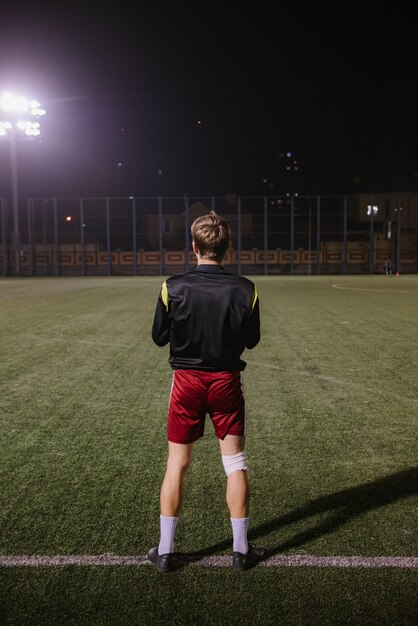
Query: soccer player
x,y
208,316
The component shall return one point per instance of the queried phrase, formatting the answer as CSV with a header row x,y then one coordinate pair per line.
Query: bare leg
x,y
238,497
238,486
172,489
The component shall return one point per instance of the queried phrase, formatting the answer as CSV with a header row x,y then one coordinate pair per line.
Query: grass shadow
x,y
343,506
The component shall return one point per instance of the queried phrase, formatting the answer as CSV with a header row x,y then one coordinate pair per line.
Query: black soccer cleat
x,y
242,561
163,563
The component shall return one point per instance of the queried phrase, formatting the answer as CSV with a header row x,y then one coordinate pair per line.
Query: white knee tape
x,y
234,462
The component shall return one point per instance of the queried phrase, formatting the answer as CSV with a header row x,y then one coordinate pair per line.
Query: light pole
x,y
19,113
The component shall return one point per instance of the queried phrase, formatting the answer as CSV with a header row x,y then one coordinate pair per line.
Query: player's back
x,y
214,317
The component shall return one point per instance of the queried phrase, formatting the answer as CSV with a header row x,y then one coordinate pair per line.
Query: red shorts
x,y
195,393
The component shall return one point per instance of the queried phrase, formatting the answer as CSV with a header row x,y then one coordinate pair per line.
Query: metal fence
x,y
271,234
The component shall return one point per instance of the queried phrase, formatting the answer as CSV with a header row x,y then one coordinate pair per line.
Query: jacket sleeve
x,y
252,334
161,324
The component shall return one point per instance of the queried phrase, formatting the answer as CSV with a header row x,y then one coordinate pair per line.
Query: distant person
x,y
208,316
388,267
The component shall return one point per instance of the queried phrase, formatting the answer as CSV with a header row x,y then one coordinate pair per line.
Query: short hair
x,y
212,236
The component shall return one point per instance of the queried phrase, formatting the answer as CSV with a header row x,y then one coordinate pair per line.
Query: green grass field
x,y
332,407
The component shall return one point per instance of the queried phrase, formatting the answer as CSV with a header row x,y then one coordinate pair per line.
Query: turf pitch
x,y
332,405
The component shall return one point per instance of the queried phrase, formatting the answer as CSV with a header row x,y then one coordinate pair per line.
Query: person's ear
x,y
195,249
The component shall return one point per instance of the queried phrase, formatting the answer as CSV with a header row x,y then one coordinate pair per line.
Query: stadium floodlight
x,y
18,117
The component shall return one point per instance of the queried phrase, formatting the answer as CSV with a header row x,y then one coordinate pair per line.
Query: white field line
x,y
345,562
336,286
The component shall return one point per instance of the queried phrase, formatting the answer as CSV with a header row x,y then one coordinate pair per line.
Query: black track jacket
x,y
209,317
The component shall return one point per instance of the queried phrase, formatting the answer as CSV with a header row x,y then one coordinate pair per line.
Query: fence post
x,y
318,235
186,232
371,258
398,237
265,236
30,235
134,246
160,234
108,253
56,244
83,251
3,238
345,237
292,234
239,234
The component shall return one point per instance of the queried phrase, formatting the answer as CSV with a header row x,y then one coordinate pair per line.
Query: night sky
x,y
173,100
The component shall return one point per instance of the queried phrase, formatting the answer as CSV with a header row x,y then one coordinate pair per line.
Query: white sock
x,y
239,533
167,528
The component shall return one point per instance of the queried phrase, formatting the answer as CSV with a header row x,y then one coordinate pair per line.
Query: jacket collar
x,y
209,267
